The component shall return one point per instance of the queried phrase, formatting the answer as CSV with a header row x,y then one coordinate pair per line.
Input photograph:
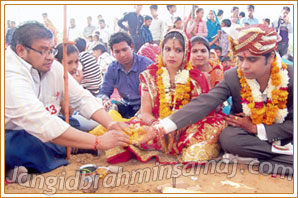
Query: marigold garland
x,y
277,94
182,91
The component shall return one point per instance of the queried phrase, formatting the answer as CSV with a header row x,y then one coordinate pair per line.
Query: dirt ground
x,y
222,179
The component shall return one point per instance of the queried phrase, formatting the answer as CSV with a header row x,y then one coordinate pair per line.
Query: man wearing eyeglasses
x,y
34,134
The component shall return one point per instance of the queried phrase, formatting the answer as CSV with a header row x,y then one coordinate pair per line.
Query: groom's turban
x,y
258,39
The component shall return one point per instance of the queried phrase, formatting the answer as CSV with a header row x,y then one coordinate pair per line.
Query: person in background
x,y
213,27
146,33
227,63
48,23
123,74
220,14
178,24
241,17
9,33
218,51
157,26
104,33
224,36
197,26
284,27
250,20
235,14
135,21
170,17
266,21
89,29
92,75
104,59
73,30
200,58
72,61
95,41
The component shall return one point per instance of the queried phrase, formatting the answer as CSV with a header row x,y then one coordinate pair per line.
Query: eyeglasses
x,y
52,51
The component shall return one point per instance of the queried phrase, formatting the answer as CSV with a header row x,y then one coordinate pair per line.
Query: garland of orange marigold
x,y
182,92
277,94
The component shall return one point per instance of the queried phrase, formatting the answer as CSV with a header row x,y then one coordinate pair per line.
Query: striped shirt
x,y
92,75
104,61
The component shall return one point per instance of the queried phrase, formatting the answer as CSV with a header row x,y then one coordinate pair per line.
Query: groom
x,y
261,120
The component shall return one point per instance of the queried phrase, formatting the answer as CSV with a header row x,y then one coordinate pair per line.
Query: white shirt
x,y
104,34
157,29
169,20
104,61
74,33
32,103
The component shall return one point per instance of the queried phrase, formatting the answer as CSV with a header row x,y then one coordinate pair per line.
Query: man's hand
x,y
242,121
120,126
112,139
107,103
78,76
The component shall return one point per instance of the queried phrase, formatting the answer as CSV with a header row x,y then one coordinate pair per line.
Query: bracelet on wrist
x,y
159,130
153,122
96,143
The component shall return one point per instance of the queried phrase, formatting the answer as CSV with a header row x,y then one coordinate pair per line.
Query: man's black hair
x,y
242,14
119,37
154,7
227,22
70,49
146,18
26,33
251,6
81,44
170,6
287,8
100,47
220,12
235,8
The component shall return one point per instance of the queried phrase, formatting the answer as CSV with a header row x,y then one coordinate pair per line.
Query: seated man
x,y
34,134
123,74
261,120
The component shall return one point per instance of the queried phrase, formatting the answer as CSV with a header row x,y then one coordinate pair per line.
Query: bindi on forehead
x,y
244,54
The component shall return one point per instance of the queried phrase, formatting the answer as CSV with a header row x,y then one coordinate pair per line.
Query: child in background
x,y
266,21
227,63
146,33
224,36
178,23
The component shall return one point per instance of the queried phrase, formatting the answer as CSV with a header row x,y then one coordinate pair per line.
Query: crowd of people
x,y
196,87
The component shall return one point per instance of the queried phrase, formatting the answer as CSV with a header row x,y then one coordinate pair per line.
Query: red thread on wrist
x,y
96,143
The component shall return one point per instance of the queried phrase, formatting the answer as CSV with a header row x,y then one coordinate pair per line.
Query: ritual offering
x,y
92,169
136,134
88,169
102,171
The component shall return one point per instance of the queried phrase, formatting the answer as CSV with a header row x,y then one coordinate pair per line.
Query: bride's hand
x,y
148,133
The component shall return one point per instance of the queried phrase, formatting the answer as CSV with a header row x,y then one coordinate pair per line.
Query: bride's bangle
x,y
159,130
153,122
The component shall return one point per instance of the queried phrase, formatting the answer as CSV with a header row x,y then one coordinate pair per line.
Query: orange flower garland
x,y
182,92
275,109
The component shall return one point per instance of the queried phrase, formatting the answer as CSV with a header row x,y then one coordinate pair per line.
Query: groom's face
x,y
253,66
